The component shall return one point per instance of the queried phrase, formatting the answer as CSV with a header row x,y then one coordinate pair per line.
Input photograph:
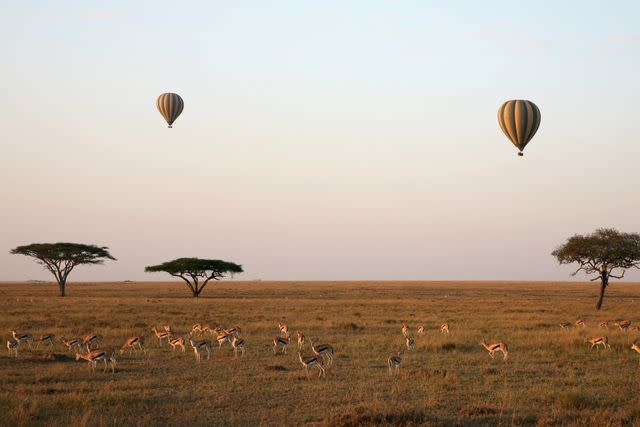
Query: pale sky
x,y
319,140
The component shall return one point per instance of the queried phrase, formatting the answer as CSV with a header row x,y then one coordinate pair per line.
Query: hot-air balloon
x,y
170,106
519,120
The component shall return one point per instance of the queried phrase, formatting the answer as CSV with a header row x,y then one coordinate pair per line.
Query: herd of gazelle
x,y
323,353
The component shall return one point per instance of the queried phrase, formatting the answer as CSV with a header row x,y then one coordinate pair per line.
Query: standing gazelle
x,y
301,338
405,329
411,343
580,322
323,350
565,325
623,325
91,340
281,342
497,346
595,342
47,338
132,343
12,347
283,328
73,344
161,335
238,345
444,328
22,338
604,325
199,347
420,329
312,361
394,362
634,347
177,342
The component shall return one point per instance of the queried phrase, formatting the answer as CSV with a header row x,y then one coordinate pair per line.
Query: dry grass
x,y
551,378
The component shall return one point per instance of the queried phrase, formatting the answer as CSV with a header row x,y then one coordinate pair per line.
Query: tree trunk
x,y
62,284
604,281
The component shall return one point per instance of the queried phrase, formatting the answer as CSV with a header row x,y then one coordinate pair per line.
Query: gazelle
x,y
132,343
177,342
167,328
580,322
604,325
284,329
394,362
73,343
196,328
420,329
161,335
623,325
595,342
634,347
22,338
238,345
405,329
323,350
312,361
223,337
47,338
199,347
411,343
497,346
234,331
99,355
300,339
281,342
12,347
565,325
90,340
444,328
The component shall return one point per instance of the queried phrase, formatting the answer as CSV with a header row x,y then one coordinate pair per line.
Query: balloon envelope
x,y
170,106
519,120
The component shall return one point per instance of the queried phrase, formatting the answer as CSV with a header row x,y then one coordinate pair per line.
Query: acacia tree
x,y
61,258
603,253
196,272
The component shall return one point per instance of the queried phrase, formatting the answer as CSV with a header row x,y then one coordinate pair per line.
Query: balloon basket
x,y
520,154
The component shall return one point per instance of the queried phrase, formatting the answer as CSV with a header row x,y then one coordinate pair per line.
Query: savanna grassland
x,y
551,377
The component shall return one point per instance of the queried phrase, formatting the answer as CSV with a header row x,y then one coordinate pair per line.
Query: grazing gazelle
x,y
497,346
281,342
444,328
73,343
565,325
394,362
161,335
200,346
22,338
595,342
300,337
420,329
12,346
411,343
238,345
177,342
604,325
580,322
90,340
99,355
132,343
47,338
323,350
284,329
405,329
623,325
312,361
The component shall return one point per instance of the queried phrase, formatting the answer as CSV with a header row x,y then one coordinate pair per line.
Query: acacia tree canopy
x,y
196,272
607,253
61,258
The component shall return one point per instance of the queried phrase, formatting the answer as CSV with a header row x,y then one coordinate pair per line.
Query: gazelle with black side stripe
x,y
324,350
96,356
312,361
496,346
132,343
599,341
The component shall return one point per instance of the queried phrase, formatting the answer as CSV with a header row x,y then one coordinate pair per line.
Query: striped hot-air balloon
x,y
170,106
519,120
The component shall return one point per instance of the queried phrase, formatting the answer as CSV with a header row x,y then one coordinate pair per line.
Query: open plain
x,y
552,377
